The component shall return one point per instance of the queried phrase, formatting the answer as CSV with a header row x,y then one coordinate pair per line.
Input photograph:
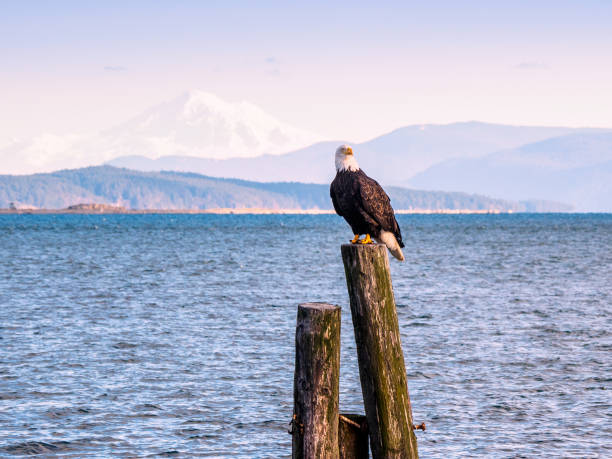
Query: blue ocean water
x,y
150,335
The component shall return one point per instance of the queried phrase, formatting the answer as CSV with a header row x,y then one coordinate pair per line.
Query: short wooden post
x,y
316,381
353,436
381,362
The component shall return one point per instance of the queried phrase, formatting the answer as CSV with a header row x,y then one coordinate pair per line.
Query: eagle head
x,y
345,160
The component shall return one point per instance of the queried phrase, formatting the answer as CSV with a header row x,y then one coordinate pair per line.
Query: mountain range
x,y
199,132
392,158
510,162
187,190
575,168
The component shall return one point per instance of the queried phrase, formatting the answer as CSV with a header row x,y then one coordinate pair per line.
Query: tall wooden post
x,y
316,382
381,361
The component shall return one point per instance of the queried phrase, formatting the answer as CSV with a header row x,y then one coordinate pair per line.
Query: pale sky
x,y
348,71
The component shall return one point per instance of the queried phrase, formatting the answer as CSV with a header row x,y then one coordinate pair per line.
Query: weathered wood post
x,y
381,362
353,436
316,382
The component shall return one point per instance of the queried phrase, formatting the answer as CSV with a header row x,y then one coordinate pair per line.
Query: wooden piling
x,y
381,361
316,382
353,436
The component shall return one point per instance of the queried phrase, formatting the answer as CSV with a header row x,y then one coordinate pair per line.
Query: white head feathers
x,y
345,160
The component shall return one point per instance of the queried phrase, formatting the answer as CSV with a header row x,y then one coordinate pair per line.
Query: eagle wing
x,y
333,198
376,203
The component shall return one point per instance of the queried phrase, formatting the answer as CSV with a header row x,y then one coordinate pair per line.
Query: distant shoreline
x,y
231,211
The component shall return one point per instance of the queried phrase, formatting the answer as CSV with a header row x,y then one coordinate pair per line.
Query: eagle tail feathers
x,y
390,241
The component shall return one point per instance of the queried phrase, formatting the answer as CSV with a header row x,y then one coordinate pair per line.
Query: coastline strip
x,y
240,211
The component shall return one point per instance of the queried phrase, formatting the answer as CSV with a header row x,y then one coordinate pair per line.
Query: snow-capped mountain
x,y
203,125
197,124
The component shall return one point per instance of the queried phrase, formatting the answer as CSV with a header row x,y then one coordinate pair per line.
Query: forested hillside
x,y
182,190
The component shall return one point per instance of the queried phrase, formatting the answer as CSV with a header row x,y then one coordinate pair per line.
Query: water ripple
x,y
153,335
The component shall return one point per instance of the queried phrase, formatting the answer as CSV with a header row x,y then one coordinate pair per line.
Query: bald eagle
x,y
364,204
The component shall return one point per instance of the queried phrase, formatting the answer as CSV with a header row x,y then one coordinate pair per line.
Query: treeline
x,y
182,190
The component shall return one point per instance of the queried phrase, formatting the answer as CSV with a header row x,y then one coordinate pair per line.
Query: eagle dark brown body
x,y
364,204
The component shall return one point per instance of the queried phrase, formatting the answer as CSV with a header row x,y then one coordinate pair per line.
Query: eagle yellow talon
x,y
355,240
367,240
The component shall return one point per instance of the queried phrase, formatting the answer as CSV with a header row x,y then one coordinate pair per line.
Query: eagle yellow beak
x,y
348,151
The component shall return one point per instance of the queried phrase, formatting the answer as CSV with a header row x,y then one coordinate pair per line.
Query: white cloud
x,y
531,65
115,68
